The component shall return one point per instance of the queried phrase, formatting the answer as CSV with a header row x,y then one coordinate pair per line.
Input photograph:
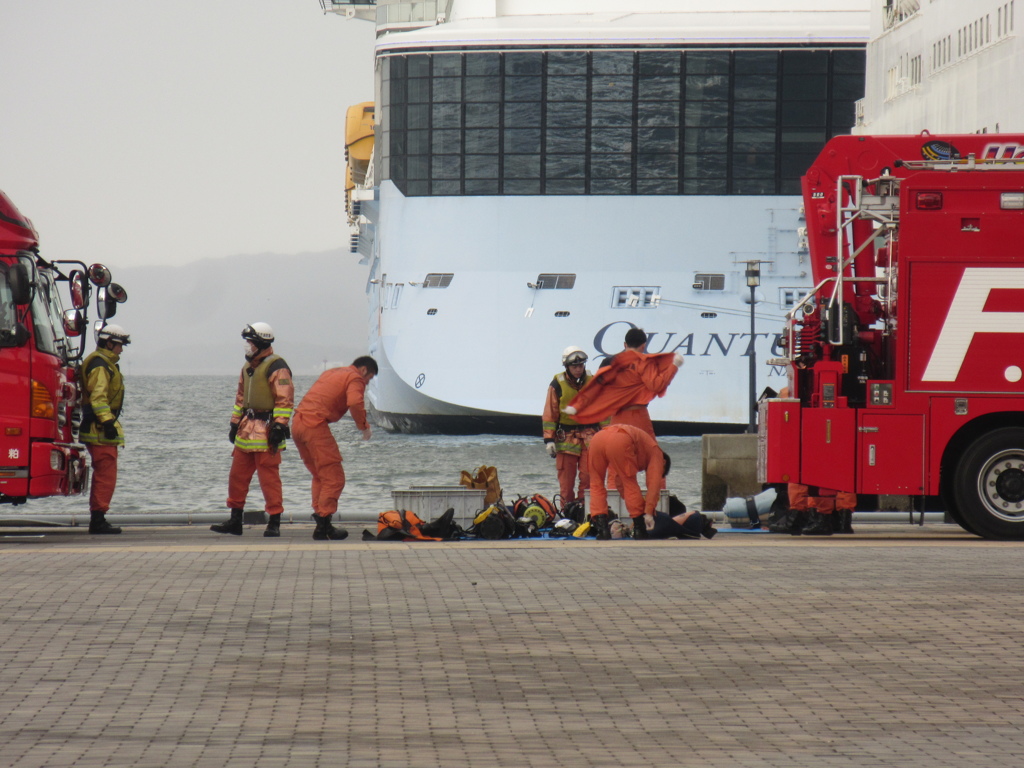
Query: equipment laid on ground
x,y
41,349
906,360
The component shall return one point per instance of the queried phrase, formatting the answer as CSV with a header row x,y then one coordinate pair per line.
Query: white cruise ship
x,y
547,174
945,66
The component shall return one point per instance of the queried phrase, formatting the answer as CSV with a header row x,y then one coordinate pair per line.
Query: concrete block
x,y
728,468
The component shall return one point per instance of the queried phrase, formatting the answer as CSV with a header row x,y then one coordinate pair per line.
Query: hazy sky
x,y
136,132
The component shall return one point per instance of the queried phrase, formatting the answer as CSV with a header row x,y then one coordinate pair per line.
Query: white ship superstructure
x,y
549,174
945,66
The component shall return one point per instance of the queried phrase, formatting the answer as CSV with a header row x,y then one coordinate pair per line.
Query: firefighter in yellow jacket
x,y
565,439
103,398
259,427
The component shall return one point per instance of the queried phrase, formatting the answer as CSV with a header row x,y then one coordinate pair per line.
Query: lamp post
x,y
753,274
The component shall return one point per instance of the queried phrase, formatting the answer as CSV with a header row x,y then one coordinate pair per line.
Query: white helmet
x,y
573,356
260,334
112,333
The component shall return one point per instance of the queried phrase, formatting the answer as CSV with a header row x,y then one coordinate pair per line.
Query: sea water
x,y
177,456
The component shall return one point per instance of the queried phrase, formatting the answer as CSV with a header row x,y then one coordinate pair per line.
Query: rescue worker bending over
x,y
100,429
565,439
626,451
259,427
630,381
337,391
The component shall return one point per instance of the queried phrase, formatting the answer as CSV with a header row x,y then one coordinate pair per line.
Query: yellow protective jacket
x,y
103,397
568,435
265,394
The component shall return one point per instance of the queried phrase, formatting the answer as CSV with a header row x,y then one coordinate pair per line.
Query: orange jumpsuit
x,y
570,436
337,391
622,389
252,453
625,450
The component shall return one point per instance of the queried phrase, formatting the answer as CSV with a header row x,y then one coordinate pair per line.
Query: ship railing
x,y
351,9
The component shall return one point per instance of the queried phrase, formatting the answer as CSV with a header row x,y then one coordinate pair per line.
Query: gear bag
x,y
495,522
403,525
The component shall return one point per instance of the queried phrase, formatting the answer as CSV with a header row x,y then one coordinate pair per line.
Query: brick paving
x,y
177,647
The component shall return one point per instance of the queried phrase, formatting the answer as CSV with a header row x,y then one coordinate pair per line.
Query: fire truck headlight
x,y
1011,201
56,460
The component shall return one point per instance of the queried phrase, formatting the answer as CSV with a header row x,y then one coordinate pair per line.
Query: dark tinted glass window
x,y
612,121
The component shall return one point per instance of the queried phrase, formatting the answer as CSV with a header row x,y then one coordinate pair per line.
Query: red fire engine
x,y
41,347
906,360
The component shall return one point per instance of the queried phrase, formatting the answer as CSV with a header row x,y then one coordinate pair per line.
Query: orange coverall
x,y
625,450
622,389
337,391
252,454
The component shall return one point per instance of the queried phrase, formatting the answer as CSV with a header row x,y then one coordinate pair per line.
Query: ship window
x,y
432,311
788,297
552,281
612,121
635,297
562,313
438,280
708,282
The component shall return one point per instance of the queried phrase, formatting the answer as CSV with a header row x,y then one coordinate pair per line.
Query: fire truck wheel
x,y
988,486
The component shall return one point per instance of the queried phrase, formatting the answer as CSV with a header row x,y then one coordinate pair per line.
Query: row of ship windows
x,y
623,296
972,37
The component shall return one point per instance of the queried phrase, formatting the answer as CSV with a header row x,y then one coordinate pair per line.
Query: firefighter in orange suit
x,y
259,427
337,391
622,389
100,429
625,450
565,439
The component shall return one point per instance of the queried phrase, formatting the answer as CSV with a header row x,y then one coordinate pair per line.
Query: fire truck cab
x,y
41,348
906,360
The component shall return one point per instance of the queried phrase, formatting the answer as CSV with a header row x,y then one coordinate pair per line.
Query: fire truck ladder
x,y
882,209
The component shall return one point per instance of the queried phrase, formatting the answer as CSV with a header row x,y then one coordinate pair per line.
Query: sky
x,y
141,133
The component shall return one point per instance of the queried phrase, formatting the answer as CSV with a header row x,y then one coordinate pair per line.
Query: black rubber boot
x,y
800,519
817,525
273,527
232,525
640,528
600,525
98,524
709,530
327,532
784,522
844,521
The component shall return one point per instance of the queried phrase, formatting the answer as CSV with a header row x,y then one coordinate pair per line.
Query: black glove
x,y
110,430
232,431
278,433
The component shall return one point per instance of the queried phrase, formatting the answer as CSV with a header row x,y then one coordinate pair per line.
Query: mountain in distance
x,y
188,320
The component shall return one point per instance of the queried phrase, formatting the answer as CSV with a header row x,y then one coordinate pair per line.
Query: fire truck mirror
x,y
79,289
117,293
20,283
99,275
74,322
106,305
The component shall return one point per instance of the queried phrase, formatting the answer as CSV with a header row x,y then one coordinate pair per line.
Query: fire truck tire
x,y
988,485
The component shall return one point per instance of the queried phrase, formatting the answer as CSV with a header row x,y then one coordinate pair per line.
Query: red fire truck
x,y
906,360
41,347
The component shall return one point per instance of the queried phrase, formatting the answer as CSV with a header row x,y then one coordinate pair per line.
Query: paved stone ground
x,y
177,647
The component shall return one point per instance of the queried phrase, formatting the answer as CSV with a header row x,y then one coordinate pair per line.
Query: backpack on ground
x,y
495,522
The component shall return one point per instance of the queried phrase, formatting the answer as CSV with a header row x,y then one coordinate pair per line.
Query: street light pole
x,y
753,275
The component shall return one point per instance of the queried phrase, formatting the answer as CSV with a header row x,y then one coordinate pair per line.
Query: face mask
x,y
250,350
